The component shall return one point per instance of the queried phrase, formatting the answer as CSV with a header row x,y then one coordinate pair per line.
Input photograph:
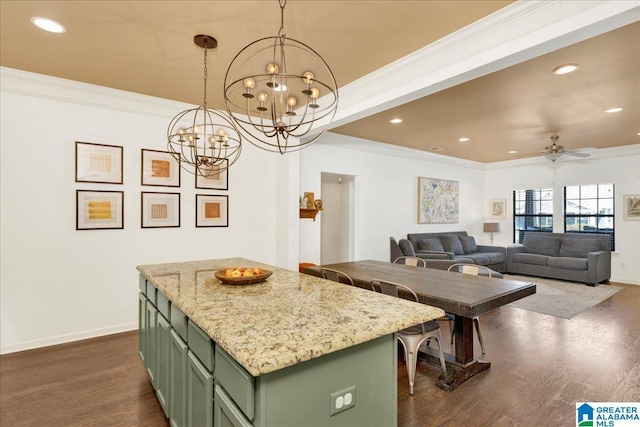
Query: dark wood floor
x,y
541,365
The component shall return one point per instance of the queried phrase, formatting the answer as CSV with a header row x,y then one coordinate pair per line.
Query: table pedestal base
x,y
456,373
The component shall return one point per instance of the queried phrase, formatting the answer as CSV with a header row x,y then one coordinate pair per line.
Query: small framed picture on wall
x,y
99,163
212,211
631,206
497,208
160,168
160,210
99,210
215,177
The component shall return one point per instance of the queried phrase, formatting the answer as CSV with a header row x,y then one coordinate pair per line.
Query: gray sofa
x,y
460,247
577,257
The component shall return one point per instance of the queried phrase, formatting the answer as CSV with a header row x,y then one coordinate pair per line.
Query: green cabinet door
x,y
226,413
142,327
199,393
164,365
151,341
178,381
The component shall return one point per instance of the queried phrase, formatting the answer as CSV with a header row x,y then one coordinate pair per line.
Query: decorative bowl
x,y
242,280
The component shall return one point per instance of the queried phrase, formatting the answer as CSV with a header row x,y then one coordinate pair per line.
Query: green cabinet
x,y
142,328
163,362
151,321
178,381
199,393
225,412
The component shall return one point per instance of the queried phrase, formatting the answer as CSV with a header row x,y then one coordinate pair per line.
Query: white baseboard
x,y
62,339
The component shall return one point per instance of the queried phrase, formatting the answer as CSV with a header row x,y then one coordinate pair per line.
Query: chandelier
x,y
204,141
276,88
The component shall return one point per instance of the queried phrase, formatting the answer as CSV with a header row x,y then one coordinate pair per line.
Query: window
x,y
589,209
532,211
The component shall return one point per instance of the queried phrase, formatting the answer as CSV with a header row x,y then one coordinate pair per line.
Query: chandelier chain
x,y
280,31
204,102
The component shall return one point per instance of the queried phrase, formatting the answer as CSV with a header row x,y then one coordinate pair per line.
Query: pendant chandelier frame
x,y
278,87
204,141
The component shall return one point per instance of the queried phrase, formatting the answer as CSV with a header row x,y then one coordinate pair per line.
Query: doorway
x,y
337,224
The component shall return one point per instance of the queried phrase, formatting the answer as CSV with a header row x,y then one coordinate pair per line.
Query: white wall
x,y
386,190
59,284
386,194
620,166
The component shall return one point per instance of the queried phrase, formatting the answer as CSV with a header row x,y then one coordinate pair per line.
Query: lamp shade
x,y
491,227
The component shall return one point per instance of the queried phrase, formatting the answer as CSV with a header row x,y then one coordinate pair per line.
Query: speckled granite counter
x,y
290,318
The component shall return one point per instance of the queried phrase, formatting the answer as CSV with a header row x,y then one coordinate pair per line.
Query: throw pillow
x,y
432,244
468,244
451,243
541,244
578,248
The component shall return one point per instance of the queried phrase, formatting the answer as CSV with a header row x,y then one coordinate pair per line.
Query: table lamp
x,y
491,227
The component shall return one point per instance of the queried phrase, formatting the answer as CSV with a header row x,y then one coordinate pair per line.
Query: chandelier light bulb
x,y
314,93
292,101
308,77
249,83
272,68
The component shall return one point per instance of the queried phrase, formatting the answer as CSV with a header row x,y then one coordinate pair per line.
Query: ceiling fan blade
x,y
576,154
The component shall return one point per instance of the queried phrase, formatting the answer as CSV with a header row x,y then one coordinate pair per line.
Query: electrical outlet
x,y
342,400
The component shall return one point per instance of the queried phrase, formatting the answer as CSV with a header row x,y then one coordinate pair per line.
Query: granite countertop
x,y
290,318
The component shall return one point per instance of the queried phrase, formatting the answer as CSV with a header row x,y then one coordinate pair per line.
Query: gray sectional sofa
x,y
458,246
582,258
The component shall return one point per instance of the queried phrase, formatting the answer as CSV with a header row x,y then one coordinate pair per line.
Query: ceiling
x,y
147,47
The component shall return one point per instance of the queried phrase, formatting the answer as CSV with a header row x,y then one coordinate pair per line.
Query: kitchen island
x,y
291,351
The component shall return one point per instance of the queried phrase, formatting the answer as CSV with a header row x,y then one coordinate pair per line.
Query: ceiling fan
x,y
554,151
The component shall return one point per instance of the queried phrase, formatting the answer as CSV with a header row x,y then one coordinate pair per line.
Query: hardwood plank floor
x,y
541,365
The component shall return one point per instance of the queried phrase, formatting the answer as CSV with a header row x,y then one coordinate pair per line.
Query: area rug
x,y
561,298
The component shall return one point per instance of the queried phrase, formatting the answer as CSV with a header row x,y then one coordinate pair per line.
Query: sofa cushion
x,y
527,258
578,248
451,243
432,244
568,263
468,244
478,258
542,245
495,257
406,247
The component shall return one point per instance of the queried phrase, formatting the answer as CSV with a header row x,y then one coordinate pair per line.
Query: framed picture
x,y
99,210
160,210
497,208
160,168
98,163
212,211
216,178
437,201
631,206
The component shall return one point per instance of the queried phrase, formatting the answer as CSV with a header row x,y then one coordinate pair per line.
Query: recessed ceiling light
x,y
513,152
395,121
614,110
48,25
565,68
463,139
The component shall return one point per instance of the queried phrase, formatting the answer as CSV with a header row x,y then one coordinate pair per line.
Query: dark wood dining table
x,y
464,295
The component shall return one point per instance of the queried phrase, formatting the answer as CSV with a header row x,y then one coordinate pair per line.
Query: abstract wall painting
x,y
631,206
160,168
438,201
99,210
160,210
212,211
98,163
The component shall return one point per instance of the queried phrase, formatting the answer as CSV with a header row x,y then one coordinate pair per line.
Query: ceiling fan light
x,y
565,69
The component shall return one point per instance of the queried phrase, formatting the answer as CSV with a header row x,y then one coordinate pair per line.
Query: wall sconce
x,y
491,227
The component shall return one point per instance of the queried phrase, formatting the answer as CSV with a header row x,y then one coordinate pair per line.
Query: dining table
x,y
464,295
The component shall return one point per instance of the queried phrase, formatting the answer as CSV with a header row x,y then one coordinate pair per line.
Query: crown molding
x,y
54,88
516,33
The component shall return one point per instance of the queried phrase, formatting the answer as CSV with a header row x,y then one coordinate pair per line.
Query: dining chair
x,y
475,270
411,260
336,276
411,338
